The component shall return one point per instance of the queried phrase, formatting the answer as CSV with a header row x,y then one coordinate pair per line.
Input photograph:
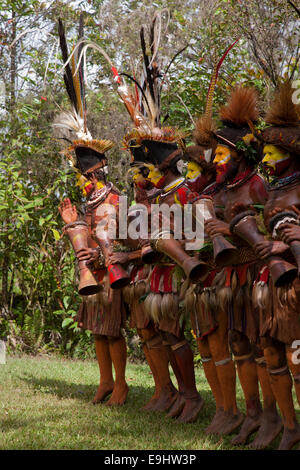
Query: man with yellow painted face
x,y
200,171
162,303
103,314
209,321
236,159
154,350
279,310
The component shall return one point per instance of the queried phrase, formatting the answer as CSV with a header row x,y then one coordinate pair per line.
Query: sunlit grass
x,y
45,403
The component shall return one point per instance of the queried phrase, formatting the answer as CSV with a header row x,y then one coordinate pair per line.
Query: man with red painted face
x,y
103,313
166,282
236,158
279,306
154,350
209,321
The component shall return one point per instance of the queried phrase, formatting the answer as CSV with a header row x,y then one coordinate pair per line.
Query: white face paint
x,y
207,155
181,166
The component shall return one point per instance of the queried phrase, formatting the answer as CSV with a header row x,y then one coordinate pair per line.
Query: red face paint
x,y
198,185
222,170
160,184
280,167
144,184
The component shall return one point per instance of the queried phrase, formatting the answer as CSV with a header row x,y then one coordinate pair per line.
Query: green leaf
x,y
66,322
56,234
66,302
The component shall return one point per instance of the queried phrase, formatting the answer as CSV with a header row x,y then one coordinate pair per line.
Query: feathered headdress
x,y
149,133
239,116
85,152
284,120
205,127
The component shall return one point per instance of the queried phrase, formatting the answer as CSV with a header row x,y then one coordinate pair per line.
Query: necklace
x,y
99,195
240,180
279,183
171,188
212,188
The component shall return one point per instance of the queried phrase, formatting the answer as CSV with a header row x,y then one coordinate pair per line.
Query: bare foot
x,y
213,427
191,410
119,395
271,425
166,399
149,405
249,426
290,437
177,406
230,422
103,391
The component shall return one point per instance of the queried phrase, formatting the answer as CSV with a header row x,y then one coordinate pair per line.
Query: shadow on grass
x,y
84,392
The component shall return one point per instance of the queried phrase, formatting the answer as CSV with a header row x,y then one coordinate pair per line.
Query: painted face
x,y
139,178
196,181
193,171
155,176
275,160
222,160
85,185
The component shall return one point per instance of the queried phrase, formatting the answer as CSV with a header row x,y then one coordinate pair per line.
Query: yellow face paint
x,y
273,155
137,176
222,155
83,184
193,170
154,174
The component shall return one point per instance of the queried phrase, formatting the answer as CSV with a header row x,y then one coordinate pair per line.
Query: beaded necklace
x,y
99,195
279,183
241,179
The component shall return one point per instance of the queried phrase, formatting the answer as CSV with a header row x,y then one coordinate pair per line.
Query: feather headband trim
x,y
164,134
100,146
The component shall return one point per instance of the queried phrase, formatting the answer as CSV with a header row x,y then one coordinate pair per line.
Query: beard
x,y
198,184
227,172
145,184
279,168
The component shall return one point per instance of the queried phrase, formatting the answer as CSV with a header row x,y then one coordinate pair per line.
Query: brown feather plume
x,y
240,108
283,111
204,131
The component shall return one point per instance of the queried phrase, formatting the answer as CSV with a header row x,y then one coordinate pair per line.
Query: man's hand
x,y
216,227
239,207
67,211
289,233
88,254
118,257
270,248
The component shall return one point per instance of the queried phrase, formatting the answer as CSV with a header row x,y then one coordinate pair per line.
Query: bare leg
x,y
179,403
143,334
118,352
231,418
159,358
184,360
247,372
271,424
213,381
281,384
105,367
294,368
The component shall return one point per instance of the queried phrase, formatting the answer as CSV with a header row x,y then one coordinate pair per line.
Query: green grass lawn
x,y
45,403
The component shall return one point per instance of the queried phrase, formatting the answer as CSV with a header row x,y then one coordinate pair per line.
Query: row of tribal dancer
x,y
241,290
